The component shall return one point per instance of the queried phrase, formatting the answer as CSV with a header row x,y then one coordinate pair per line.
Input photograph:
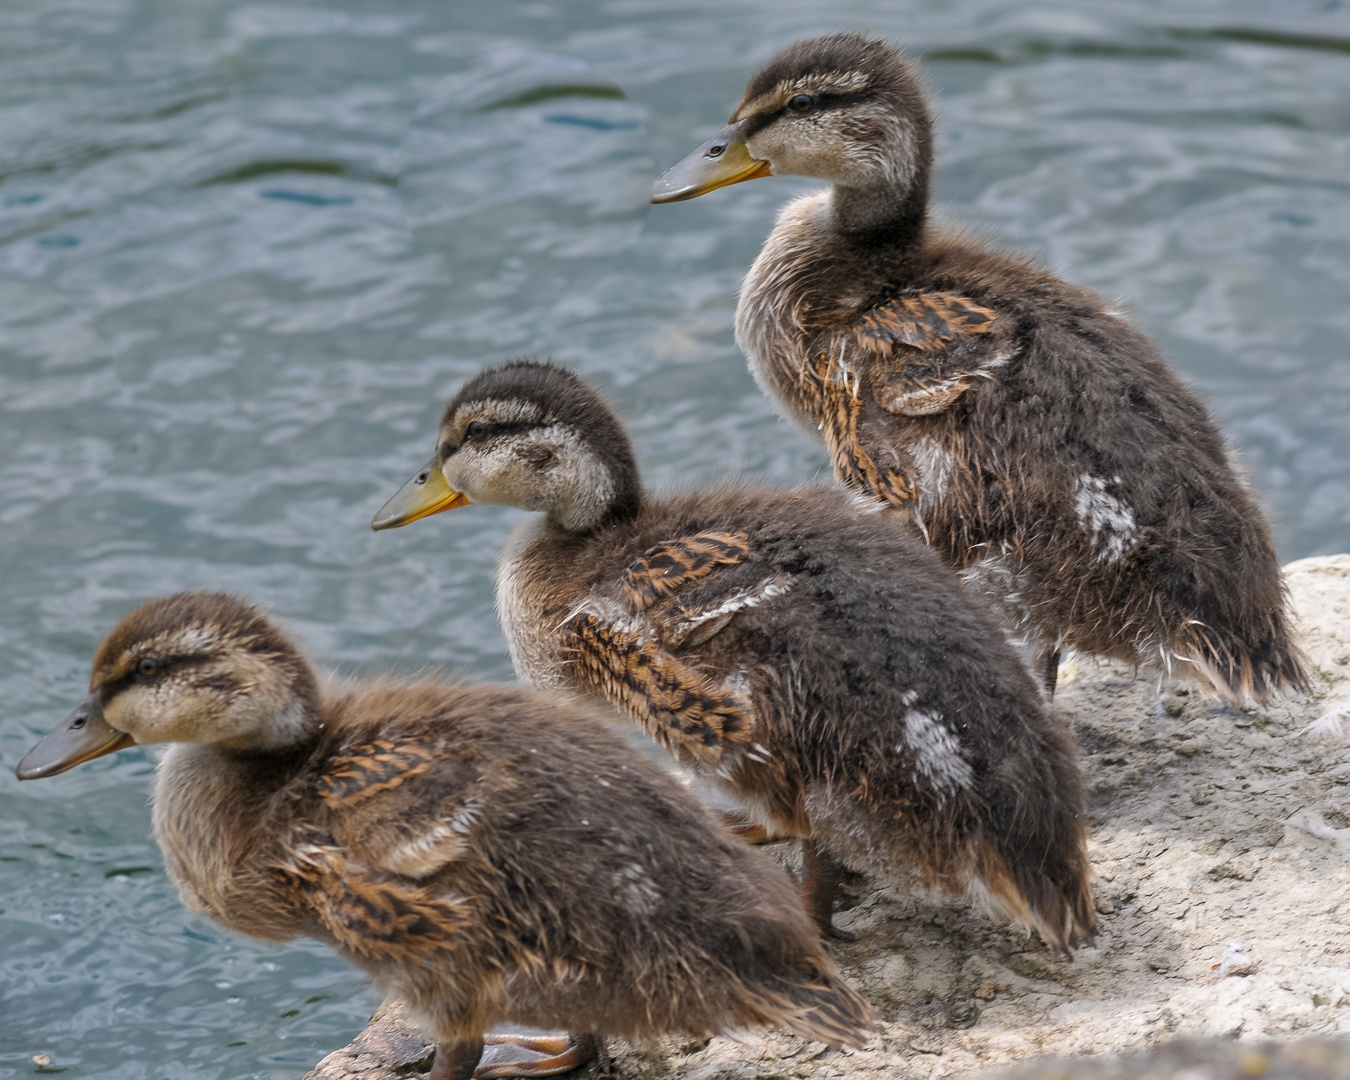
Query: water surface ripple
x,y
247,250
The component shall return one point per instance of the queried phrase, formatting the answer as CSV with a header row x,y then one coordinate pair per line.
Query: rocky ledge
x,y
1221,853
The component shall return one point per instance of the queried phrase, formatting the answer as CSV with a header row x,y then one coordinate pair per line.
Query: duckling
x,y
1033,436
807,655
486,853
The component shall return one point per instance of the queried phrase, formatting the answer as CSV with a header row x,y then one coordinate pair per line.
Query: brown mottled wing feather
x,y
911,380
670,566
918,389
403,804
835,386
674,701
372,767
371,914
925,321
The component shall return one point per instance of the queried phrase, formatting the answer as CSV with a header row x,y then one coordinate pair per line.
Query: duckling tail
x,y
1257,668
817,1005
1053,896
1031,850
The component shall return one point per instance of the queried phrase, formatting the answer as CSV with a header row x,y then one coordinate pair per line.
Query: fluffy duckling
x,y
1037,440
488,854
805,653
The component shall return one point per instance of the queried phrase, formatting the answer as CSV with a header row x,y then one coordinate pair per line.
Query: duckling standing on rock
x,y
800,650
486,853
1037,440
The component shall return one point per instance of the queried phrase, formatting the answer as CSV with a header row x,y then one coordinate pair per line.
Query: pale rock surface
x,y
1221,859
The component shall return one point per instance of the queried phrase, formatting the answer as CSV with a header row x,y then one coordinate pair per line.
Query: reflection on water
x,y
246,252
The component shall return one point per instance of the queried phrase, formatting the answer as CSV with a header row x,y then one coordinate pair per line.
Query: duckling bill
x,y
490,855
1031,435
798,649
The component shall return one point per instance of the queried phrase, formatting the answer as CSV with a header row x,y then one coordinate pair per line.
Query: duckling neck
x,y
605,489
574,522
212,809
880,216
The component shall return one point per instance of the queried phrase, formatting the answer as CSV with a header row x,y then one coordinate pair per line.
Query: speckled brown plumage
x,y
674,701
486,853
844,686
374,767
924,321
671,566
1034,437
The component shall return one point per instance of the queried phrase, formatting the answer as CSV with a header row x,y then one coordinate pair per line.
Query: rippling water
x,y
246,251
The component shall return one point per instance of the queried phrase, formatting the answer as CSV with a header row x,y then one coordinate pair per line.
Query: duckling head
x,y
195,667
531,435
843,108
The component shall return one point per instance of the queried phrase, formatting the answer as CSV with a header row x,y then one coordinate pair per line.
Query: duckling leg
x,y
821,874
532,1052
456,1061
1048,663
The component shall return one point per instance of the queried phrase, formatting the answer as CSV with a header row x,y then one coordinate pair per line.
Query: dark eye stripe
x,y
110,690
490,428
758,122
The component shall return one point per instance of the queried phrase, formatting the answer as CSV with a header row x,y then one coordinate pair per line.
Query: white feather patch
x,y
937,753
934,464
1108,521
738,601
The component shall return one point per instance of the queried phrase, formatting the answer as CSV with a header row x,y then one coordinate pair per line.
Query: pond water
x,y
248,250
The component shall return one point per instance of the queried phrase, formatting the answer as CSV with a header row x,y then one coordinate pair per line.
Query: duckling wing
x,y
403,806
916,369
669,567
676,596
368,769
925,321
371,914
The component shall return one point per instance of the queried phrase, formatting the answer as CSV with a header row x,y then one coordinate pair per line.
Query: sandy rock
x,y
1221,858
391,1047
1200,1059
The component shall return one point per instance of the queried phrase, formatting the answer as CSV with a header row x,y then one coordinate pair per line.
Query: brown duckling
x,y
486,853
1037,440
797,648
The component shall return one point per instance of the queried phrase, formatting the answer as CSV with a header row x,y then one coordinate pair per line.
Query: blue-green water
x,y
247,250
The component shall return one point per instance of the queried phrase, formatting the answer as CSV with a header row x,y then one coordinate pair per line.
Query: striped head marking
x,y
535,436
206,668
842,108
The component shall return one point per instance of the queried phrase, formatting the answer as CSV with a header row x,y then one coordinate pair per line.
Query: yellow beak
x,y
80,737
720,161
425,494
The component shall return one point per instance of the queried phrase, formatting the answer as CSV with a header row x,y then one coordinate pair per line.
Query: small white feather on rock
x,y
1331,724
1313,825
1237,960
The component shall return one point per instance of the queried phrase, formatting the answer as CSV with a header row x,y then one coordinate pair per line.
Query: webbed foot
x,y
517,1050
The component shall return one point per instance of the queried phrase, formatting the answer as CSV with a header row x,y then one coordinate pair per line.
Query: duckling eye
x,y
147,667
476,431
802,103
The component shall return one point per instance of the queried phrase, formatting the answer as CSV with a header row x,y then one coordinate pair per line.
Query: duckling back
x,y
822,664
924,746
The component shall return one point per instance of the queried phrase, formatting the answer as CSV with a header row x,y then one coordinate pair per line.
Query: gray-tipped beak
x,y
425,494
80,737
720,161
